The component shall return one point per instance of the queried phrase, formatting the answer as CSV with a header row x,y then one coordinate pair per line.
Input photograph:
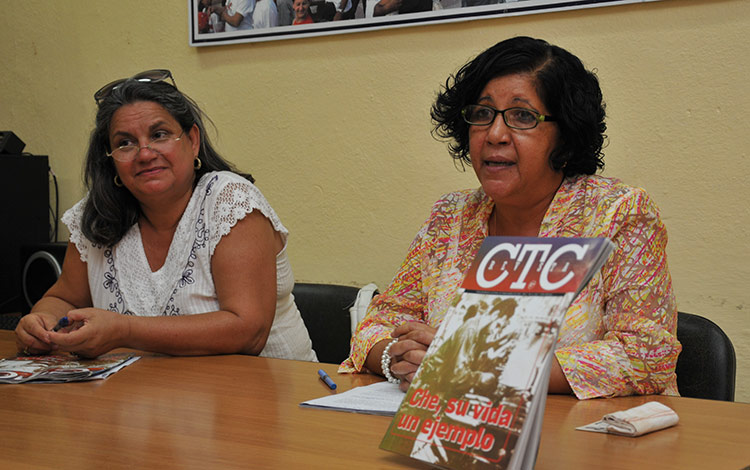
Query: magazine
x,y
477,401
61,368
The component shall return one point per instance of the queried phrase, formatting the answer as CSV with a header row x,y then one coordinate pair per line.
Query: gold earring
x,y
197,164
118,183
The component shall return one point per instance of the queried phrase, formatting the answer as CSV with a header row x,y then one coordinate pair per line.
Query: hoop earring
x,y
118,182
197,164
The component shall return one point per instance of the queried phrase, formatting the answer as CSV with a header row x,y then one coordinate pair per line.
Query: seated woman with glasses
x,y
529,119
172,250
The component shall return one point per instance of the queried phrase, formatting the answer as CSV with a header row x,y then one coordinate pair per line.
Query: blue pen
x,y
326,379
62,323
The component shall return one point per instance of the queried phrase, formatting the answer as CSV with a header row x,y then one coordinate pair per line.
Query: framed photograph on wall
x,y
217,22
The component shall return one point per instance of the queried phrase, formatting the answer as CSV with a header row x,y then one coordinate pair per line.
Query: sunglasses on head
x,y
149,76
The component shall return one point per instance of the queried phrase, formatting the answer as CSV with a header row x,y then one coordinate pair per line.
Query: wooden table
x,y
242,412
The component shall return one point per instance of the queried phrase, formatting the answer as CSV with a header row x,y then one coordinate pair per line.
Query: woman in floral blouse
x,y
529,118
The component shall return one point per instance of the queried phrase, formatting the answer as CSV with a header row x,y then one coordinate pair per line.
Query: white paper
x,y
380,398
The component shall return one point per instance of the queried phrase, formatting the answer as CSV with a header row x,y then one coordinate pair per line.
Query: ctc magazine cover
x,y
477,400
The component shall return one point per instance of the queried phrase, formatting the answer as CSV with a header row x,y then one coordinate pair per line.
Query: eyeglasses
x,y
161,142
149,76
515,118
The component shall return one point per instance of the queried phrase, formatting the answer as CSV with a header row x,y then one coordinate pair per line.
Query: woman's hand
x,y
407,354
32,333
92,333
71,290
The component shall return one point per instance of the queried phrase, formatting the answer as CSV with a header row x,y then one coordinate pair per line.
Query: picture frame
x,y
328,17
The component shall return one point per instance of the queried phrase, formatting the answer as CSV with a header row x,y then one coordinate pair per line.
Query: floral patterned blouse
x,y
619,335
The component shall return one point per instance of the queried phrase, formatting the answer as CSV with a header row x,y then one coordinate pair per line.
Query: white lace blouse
x,y
121,280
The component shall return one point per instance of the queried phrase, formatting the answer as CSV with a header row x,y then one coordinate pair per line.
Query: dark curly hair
x,y
110,211
569,91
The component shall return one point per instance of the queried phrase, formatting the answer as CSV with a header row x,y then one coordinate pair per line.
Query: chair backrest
x,y
9,321
325,311
707,365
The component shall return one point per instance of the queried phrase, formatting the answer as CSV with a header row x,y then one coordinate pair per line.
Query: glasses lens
x,y
104,91
125,153
479,115
521,118
157,75
164,142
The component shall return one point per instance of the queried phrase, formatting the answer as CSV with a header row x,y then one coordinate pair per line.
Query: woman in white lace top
x,y
171,251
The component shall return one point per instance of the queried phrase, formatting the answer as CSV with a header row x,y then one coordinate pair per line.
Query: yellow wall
x,y
336,129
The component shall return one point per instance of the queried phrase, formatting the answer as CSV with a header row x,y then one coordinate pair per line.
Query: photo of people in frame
x,y
215,22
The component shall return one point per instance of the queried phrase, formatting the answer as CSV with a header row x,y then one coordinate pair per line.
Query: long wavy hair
x,y
569,91
110,211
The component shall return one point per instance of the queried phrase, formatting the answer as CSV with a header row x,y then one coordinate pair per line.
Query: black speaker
x,y
25,215
42,265
10,143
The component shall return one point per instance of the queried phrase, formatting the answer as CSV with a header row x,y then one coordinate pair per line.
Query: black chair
x,y
9,321
707,365
325,311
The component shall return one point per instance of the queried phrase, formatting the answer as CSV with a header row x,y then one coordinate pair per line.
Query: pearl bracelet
x,y
385,363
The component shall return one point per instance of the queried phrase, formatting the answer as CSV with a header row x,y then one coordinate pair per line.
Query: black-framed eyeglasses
x,y
162,142
149,76
515,118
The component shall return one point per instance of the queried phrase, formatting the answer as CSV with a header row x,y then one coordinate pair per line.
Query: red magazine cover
x,y
477,400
